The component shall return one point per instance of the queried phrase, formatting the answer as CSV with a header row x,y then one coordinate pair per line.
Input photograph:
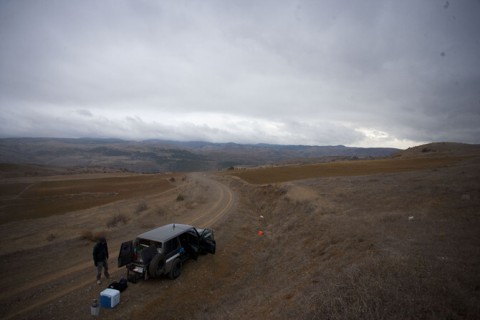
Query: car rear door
x,y
125,256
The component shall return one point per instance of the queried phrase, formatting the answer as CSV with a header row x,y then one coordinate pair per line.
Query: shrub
x,y
116,219
180,197
91,236
142,206
51,237
161,211
87,235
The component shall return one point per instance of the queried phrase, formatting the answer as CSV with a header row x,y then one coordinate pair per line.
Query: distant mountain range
x,y
166,156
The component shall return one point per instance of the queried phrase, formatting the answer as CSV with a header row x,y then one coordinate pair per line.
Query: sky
x,y
370,73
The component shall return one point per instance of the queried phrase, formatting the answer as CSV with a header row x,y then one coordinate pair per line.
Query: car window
x,y
171,245
147,243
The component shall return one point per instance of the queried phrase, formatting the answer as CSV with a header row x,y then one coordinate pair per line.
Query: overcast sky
x,y
358,73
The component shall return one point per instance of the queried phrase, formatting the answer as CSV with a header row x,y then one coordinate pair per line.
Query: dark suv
x,y
162,251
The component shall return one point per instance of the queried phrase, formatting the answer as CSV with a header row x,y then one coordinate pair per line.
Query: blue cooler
x,y
109,298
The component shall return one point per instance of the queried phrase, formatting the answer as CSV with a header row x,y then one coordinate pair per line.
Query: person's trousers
x,y
102,266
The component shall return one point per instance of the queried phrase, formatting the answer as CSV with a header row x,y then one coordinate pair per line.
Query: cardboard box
x,y
109,298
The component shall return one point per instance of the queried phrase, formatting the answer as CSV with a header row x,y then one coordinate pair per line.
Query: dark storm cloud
x,y
393,73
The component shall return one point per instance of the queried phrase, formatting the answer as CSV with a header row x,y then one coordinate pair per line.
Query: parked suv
x,y
163,250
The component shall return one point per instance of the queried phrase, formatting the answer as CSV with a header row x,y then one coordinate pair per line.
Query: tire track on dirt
x,y
25,190
228,194
219,209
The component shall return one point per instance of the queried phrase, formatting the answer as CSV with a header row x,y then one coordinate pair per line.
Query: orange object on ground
x,y
261,233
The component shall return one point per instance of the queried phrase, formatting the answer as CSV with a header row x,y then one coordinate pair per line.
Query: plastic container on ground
x,y
95,308
109,298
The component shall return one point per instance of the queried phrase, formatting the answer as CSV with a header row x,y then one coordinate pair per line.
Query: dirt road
x,y
57,281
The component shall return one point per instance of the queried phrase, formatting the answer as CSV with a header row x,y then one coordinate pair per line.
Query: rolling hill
x,y
151,156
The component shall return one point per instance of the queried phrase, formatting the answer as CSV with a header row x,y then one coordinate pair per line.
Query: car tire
x,y
176,269
157,265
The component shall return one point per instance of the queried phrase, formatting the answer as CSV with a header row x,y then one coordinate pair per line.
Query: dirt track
x,y
57,281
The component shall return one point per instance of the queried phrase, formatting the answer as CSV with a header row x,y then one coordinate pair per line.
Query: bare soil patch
x,y
45,197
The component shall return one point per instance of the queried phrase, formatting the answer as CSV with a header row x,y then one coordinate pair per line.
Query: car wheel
x,y
176,269
155,269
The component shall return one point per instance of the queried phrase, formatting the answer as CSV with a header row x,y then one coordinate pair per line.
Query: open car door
x,y
207,240
125,256
208,245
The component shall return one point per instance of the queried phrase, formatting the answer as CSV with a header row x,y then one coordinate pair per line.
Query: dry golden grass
x,y
344,168
391,246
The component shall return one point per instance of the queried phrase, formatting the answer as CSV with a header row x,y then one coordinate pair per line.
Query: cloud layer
x,y
369,73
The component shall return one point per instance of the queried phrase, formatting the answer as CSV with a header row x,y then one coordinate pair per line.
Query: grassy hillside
x,y
343,168
384,240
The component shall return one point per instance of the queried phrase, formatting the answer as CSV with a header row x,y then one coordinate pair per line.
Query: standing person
x,y
100,258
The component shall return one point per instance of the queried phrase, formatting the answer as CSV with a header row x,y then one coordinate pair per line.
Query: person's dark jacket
x,y
100,251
